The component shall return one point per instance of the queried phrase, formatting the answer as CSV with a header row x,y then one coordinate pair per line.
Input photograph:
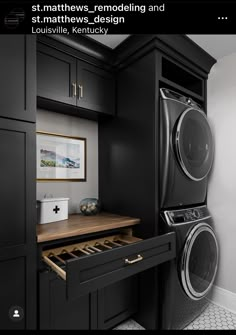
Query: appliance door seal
x,y
199,261
194,145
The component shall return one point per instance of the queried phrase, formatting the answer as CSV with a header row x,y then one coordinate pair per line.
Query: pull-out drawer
x,y
94,264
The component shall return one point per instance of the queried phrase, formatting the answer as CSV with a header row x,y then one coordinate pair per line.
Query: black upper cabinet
x,y
56,75
65,79
95,88
17,68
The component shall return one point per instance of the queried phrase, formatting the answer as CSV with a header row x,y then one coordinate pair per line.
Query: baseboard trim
x,y
223,298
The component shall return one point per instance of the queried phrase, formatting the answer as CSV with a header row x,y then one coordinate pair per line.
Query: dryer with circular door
x,y
187,281
186,151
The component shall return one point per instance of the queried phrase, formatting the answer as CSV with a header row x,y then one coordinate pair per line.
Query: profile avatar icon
x,y
13,19
16,314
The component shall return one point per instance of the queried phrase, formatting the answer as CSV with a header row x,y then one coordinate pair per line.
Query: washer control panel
x,y
187,215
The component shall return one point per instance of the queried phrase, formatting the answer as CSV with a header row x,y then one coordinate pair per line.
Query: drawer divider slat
x,y
69,253
82,250
55,267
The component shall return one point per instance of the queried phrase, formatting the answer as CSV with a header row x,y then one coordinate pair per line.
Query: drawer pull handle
x,y
138,259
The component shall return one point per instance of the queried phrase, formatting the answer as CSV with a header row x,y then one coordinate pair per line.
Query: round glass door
x,y
194,144
199,261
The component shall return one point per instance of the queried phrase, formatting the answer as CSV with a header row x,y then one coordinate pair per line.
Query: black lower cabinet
x,y
102,289
117,302
12,293
102,309
55,311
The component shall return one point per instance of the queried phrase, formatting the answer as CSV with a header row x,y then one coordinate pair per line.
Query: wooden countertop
x,y
79,224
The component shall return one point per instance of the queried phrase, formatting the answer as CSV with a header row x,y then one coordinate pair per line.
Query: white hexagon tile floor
x,y
214,317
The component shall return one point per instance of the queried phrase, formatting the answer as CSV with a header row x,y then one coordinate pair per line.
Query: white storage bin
x,y
52,209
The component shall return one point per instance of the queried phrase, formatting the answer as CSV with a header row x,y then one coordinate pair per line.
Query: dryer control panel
x,y
186,215
169,94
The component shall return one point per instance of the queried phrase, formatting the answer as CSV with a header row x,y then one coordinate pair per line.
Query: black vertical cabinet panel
x,y
95,88
56,72
18,214
127,147
12,291
13,187
128,163
17,68
149,308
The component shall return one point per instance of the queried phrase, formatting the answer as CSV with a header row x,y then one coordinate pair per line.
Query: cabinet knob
x,y
81,92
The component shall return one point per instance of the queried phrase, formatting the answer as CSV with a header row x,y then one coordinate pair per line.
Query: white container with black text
x,y
52,209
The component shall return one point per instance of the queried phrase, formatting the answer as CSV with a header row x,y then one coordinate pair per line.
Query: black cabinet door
x,y
101,309
18,73
56,312
17,180
18,217
96,88
117,302
12,294
56,75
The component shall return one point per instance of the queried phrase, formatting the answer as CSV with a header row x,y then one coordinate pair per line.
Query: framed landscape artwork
x,y
60,157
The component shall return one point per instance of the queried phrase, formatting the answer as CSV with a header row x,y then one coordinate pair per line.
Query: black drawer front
x,y
94,272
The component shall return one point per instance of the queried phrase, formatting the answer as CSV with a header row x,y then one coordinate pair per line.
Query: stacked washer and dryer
x,y
187,151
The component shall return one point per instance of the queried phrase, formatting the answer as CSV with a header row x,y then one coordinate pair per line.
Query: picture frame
x,y
60,157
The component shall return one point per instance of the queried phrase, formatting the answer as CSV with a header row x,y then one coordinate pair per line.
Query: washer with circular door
x,y
187,281
186,151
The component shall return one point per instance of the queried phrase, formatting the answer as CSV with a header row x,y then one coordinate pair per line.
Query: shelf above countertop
x,y
78,224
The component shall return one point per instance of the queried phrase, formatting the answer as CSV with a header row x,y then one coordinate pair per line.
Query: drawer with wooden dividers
x,y
94,264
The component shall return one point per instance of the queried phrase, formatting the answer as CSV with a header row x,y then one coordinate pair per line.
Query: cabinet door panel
x,y
18,74
95,88
12,179
12,292
56,72
117,302
56,312
17,205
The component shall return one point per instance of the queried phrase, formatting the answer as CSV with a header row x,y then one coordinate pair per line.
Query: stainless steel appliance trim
x,y
189,290
165,138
